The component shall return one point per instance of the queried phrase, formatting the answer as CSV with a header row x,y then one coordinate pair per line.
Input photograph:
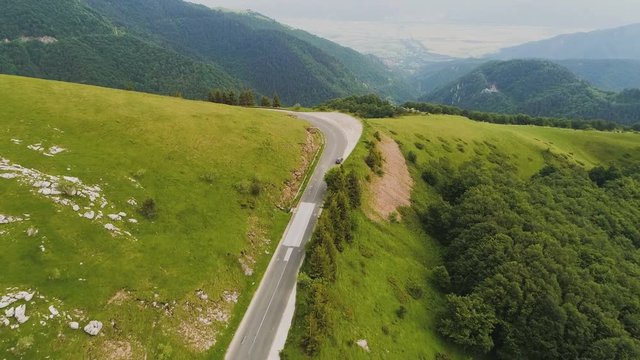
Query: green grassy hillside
x,y
391,266
215,174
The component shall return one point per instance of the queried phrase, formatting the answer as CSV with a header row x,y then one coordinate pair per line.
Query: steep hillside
x,y
537,88
618,43
369,69
66,40
388,299
128,209
171,46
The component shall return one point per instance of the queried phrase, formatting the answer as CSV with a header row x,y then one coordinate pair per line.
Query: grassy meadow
x,y
215,174
387,259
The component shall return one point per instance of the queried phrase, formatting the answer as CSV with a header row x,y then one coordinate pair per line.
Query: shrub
x,y
442,356
255,188
430,177
401,312
441,277
415,290
412,157
377,136
148,209
385,330
419,146
374,160
355,191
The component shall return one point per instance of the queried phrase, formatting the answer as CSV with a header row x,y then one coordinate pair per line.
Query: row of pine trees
x,y
243,98
333,233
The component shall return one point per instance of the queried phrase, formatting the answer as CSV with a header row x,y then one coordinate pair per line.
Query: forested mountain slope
x,y
171,46
66,40
537,88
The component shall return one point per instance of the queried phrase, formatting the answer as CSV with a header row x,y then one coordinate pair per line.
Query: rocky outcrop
x,y
93,328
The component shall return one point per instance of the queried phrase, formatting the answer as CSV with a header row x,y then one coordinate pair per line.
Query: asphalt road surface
x,y
265,325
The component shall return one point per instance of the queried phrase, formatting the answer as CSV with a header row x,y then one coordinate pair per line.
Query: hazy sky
x,y
496,22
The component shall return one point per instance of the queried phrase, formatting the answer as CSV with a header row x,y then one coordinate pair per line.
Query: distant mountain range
x,y
171,46
609,75
537,88
618,43
176,47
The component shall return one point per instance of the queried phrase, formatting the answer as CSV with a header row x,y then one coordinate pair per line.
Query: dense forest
x,y
123,62
546,267
537,88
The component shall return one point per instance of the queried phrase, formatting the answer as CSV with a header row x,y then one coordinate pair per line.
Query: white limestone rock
x,y
55,150
20,314
74,325
93,328
114,217
363,344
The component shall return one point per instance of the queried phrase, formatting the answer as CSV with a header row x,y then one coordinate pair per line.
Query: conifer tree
x,y
276,101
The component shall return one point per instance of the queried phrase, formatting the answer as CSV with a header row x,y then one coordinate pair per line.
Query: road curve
x,y
265,325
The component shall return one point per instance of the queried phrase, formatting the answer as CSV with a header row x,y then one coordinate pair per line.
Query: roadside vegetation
x,y
493,258
372,106
202,183
245,98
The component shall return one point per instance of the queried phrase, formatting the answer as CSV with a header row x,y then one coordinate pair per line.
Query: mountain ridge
x,y
536,88
615,43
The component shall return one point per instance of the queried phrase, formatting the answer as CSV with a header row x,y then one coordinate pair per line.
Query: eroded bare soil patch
x,y
393,189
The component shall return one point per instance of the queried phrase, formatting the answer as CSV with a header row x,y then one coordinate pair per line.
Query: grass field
x,y
215,173
387,258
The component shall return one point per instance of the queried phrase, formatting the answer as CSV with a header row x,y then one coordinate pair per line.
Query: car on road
x,y
339,161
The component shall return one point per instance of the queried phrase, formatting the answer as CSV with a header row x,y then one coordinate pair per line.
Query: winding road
x,y
264,328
